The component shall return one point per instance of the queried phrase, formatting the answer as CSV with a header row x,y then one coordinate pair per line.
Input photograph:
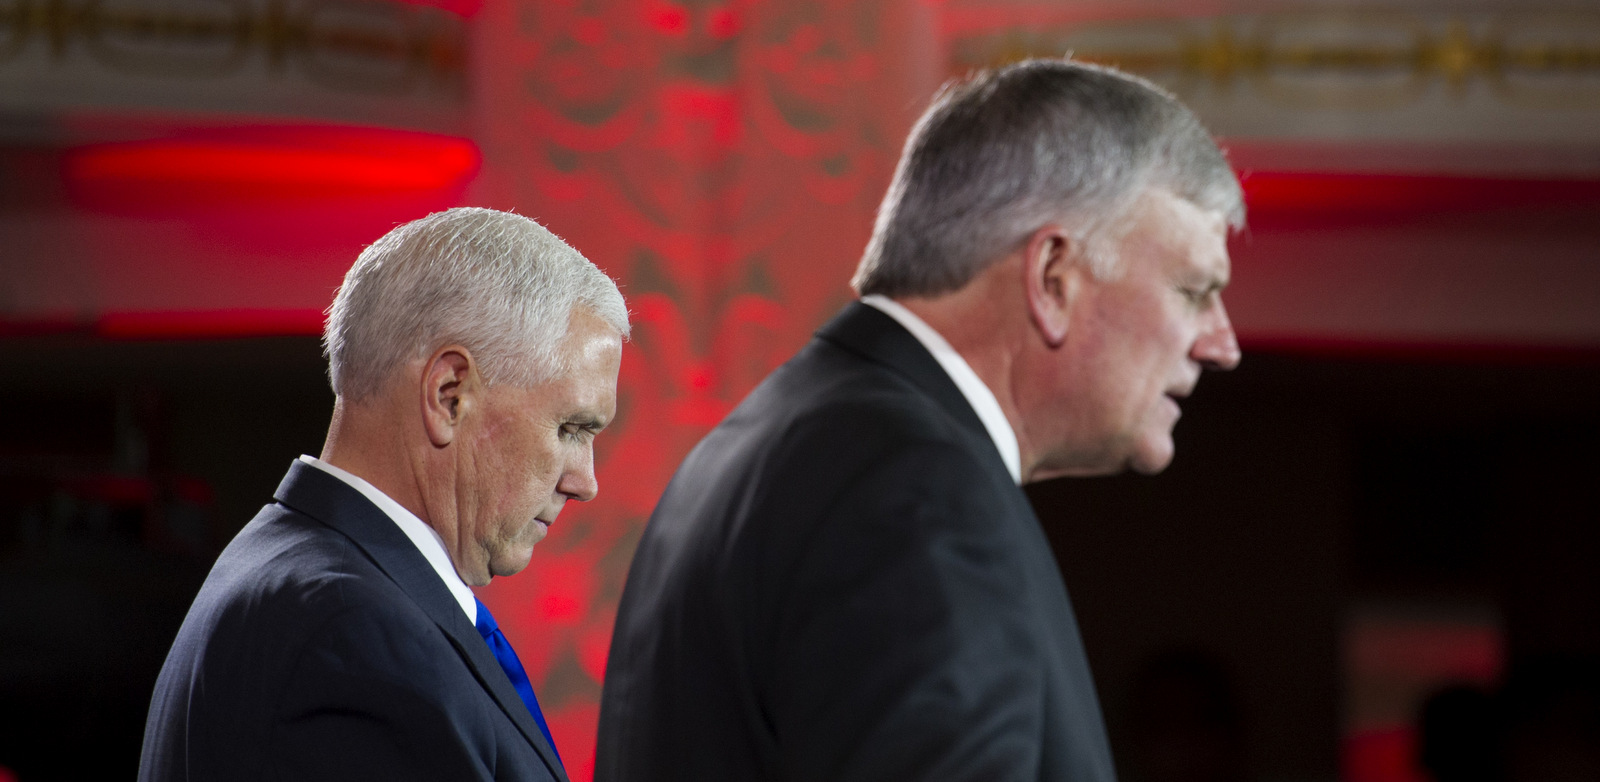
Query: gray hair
x,y
1008,151
496,283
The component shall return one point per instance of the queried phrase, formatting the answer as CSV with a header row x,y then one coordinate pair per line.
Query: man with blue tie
x,y
474,357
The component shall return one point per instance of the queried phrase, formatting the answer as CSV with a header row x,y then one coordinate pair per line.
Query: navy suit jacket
x,y
323,646
843,582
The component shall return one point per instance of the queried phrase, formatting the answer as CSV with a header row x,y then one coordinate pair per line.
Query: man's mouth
x,y
1182,392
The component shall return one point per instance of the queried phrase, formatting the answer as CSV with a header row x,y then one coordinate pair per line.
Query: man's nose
x,y
1217,347
578,481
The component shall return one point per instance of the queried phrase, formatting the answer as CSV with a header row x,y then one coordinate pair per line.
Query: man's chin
x,y
1108,461
514,561
1152,459
1051,473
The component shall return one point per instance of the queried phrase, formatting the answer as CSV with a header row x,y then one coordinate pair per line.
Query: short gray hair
x,y
494,282
1008,151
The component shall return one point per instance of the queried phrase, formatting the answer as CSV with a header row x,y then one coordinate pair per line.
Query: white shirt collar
x,y
424,537
972,387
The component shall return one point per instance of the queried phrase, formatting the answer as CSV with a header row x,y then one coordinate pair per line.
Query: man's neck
x,y
986,329
982,393
362,444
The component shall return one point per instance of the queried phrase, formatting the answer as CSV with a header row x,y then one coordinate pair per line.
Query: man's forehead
x,y
1216,262
589,336
1188,231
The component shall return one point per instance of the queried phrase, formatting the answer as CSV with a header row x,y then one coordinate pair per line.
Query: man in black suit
x,y
474,356
844,580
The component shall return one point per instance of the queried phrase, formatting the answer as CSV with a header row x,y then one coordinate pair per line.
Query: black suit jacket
x,y
323,646
842,582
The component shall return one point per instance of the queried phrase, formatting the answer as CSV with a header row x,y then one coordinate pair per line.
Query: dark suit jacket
x,y
324,647
842,582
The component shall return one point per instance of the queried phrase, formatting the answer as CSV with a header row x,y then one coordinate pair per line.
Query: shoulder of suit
x,y
325,611
853,456
286,573
829,410
834,385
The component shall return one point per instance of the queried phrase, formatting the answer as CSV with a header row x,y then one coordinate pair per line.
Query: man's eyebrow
x,y
588,421
1210,282
1216,279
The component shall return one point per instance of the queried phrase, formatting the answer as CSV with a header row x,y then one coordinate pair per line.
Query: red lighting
x,y
1382,756
559,607
275,161
669,18
724,23
1401,196
590,32
463,8
209,324
701,377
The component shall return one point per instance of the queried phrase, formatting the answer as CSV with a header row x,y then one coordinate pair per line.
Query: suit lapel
x,y
338,505
872,334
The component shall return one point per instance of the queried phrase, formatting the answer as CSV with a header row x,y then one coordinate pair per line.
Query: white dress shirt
x,y
971,386
424,537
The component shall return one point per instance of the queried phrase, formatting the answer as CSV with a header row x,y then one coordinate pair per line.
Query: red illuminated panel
x,y
1382,756
1384,197
464,8
209,324
243,164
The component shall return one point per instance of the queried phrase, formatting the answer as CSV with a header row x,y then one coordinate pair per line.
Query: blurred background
x,y
1374,559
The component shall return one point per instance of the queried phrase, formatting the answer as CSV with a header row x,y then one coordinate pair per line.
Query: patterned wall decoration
x,y
723,159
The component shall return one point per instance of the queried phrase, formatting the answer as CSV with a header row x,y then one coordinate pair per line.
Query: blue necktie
x,y
507,657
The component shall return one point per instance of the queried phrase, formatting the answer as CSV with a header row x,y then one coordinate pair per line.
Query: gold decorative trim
x,y
354,45
1361,59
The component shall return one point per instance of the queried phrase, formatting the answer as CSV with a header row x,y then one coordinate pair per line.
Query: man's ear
x,y
1053,275
450,388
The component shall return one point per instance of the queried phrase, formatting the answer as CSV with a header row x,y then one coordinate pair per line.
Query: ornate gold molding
x,y
1359,59
354,45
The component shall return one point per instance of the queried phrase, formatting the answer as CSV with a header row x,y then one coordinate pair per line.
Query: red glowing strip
x,y
1398,195
281,159
209,324
463,8
261,165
